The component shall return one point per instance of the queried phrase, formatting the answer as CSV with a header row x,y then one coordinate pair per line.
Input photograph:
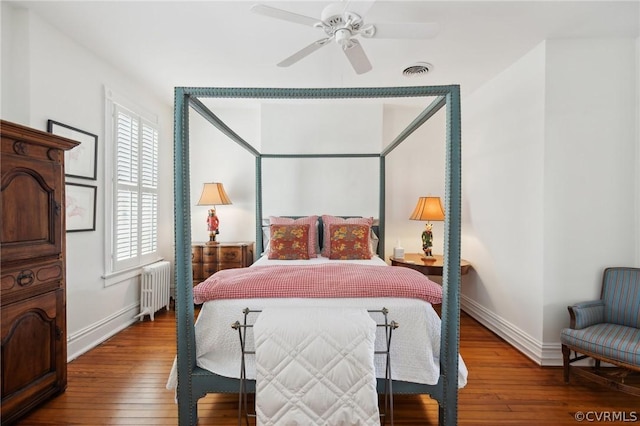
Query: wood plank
x,y
122,382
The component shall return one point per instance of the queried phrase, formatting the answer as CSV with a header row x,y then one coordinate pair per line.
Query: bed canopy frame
x,y
195,382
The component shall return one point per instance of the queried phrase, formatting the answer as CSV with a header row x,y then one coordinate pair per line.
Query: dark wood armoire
x,y
32,256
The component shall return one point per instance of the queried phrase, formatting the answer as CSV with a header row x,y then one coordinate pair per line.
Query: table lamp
x,y
428,208
213,194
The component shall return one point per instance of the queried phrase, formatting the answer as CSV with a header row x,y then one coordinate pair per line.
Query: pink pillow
x,y
349,241
312,221
328,220
289,242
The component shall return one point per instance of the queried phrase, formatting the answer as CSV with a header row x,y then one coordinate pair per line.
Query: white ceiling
x,y
164,44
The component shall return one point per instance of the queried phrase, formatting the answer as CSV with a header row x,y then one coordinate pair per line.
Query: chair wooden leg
x,y
566,353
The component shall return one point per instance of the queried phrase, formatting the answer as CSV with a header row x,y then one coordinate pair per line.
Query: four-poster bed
x,y
193,382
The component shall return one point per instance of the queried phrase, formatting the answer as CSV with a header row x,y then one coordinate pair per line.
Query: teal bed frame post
x,y
450,334
194,382
259,236
186,360
382,203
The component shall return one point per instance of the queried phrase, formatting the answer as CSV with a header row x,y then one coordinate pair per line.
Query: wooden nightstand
x,y
207,259
427,267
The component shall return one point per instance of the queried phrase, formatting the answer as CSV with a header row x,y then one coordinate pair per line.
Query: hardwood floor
x,y
122,382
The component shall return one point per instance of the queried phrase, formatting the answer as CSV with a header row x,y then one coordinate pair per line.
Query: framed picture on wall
x,y
81,161
80,203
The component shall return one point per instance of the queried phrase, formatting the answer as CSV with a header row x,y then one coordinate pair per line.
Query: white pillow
x,y
373,243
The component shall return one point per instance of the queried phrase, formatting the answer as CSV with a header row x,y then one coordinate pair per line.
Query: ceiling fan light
x,y
343,37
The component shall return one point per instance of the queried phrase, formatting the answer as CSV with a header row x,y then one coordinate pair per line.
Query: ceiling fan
x,y
343,23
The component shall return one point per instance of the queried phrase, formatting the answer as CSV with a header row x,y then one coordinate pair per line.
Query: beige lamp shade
x,y
428,208
213,194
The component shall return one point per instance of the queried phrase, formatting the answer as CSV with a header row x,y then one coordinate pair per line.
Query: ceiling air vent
x,y
417,69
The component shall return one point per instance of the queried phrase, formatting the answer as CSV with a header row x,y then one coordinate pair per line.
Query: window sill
x,y
117,277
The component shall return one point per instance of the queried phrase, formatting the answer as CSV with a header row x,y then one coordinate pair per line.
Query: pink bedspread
x,y
318,281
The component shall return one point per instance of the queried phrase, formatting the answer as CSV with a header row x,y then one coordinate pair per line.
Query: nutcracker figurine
x,y
212,224
427,240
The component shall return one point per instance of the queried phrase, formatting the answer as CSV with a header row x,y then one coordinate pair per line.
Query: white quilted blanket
x,y
315,367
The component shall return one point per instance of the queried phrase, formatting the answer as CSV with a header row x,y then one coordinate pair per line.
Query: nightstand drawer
x,y
231,254
221,254
209,269
207,259
209,255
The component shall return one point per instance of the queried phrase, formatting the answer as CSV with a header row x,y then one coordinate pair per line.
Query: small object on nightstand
x,y
398,251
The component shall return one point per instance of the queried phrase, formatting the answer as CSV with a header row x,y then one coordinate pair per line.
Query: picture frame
x,y
80,202
81,161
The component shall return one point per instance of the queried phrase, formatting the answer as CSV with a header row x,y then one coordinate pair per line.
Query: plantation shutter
x,y
136,207
149,190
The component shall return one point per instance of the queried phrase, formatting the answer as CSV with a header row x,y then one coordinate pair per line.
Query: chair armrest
x,y
586,313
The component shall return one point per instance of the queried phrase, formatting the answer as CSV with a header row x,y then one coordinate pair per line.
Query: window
x,y
134,235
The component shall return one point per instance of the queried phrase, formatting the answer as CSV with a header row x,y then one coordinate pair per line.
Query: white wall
x,y
589,170
416,168
324,127
550,184
15,97
215,158
503,148
344,186
53,77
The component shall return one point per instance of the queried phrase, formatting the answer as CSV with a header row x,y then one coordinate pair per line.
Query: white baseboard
x,y
91,336
544,354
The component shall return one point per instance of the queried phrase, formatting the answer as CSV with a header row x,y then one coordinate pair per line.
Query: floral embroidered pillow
x,y
328,220
349,241
312,221
289,242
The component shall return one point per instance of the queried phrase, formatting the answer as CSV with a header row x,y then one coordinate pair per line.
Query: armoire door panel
x,y
31,208
29,339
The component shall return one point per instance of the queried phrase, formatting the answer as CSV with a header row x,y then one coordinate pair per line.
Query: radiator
x,y
155,288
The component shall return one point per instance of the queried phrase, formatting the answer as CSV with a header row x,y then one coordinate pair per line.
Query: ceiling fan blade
x,y
302,53
285,15
357,57
406,30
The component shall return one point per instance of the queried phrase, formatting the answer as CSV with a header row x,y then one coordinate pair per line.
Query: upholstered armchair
x,y
607,330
